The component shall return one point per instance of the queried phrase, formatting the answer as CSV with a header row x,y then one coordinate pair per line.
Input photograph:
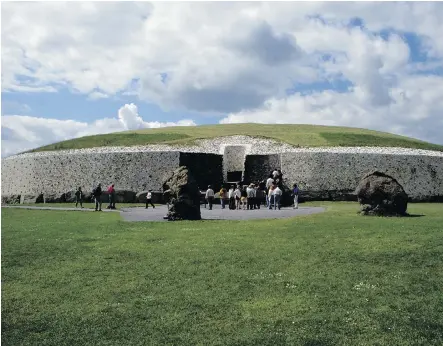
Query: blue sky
x,y
351,64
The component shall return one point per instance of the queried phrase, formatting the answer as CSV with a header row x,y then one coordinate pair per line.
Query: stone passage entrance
x,y
234,162
258,167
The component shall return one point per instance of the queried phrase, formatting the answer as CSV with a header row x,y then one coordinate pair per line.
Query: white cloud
x,y
97,95
21,133
415,110
236,58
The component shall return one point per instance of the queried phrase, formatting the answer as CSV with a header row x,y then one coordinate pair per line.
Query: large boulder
x,y
182,190
380,194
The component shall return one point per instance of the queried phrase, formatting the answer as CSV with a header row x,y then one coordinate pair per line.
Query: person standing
x,y
79,197
271,196
97,197
231,196
149,199
250,192
277,197
244,197
237,194
269,183
258,196
295,192
223,197
111,192
210,196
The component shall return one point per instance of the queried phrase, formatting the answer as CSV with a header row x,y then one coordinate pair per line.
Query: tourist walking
x,y
231,196
79,197
237,194
277,197
97,197
210,196
295,192
149,199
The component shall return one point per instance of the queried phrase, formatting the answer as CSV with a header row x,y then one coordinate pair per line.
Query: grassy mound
x,y
336,278
299,135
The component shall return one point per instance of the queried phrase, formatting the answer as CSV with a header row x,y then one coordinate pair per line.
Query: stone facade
x,y
57,174
322,173
421,176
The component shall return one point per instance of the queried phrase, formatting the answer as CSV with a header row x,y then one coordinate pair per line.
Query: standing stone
x,y
380,194
184,193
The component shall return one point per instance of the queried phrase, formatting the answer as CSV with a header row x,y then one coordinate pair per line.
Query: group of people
x,y
249,197
96,197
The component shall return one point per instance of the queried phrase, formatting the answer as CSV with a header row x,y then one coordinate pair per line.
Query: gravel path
x,y
217,213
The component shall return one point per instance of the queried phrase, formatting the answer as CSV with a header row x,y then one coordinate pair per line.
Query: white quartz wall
x,y
421,176
138,168
233,159
55,174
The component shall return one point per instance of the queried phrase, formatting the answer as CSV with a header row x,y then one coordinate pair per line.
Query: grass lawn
x,y
328,279
301,135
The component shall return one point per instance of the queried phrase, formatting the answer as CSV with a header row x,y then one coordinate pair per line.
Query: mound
x,y
297,135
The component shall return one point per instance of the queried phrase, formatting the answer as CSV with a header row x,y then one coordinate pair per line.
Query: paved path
x,y
217,213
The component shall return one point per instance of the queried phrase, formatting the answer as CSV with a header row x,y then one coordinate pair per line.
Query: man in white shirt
x,y
277,197
149,199
210,196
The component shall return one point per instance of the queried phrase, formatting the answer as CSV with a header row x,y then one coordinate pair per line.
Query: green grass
x,y
328,279
301,135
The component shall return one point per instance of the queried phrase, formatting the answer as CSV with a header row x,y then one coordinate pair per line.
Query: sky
x,y
70,69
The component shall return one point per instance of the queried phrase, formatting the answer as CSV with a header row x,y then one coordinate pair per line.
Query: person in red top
x,y
111,192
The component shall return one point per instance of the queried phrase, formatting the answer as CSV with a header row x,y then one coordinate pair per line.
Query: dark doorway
x,y
234,176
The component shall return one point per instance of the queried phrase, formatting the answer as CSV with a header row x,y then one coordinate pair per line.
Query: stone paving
x,y
217,213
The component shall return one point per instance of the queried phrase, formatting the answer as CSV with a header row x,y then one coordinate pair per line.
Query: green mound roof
x,y
299,135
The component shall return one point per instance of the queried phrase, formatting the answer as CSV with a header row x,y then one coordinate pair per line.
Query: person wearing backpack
x,y
295,193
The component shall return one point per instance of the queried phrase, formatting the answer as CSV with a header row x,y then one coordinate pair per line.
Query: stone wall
x,y
322,173
233,159
61,173
334,175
